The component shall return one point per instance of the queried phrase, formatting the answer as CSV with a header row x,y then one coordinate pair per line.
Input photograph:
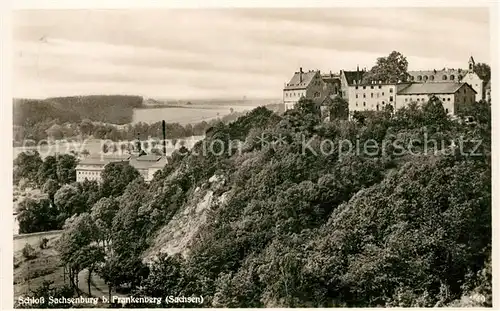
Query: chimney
x,y
164,138
331,74
300,75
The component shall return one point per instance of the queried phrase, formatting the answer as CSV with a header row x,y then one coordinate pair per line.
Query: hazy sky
x,y
228,52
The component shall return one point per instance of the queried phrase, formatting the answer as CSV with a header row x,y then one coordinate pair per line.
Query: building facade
x,y
451,94
309,85
91,168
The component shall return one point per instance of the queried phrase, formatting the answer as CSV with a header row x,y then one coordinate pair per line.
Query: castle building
x,y
451,75
451,94
309,85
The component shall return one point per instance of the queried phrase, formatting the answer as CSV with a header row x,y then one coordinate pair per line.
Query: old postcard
x,y
248,157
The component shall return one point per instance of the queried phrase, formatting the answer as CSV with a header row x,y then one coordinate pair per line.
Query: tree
x,y
47,170
75,247
433,111
115,178
26,165
67,200
66,168
392,68
102,214
50,188
339,108
483,71
37,216
89,257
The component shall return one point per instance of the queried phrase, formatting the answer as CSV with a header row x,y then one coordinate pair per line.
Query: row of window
x,y
431,77
89,173
295,94
371,94
424,99
364,104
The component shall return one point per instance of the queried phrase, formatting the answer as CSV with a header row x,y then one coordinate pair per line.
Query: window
x,y
364,87
447,108
445,77
452,77
356,95
372,95
356,87
448,99
364,95
356,104
371,87
418,99
382,93
390,90
380,86
383,102
364,104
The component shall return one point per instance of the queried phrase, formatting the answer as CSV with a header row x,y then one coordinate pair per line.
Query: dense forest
x,y
115,109
299,227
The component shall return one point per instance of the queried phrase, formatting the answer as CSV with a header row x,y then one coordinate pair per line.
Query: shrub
x,y
43,243
29,252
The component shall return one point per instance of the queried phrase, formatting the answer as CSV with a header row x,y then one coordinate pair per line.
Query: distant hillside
x,y
115,109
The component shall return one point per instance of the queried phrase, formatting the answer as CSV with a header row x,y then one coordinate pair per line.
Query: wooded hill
x,y
116,109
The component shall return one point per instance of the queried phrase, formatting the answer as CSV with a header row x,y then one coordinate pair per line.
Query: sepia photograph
x,y
245,157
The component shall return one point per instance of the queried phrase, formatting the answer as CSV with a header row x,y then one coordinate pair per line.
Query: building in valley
x,y
90,168
451,94
447,75
147,165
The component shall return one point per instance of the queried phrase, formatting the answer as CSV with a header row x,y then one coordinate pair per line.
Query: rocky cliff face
x,y
177,236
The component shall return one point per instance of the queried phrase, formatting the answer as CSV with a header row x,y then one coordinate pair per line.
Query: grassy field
x,y
30,274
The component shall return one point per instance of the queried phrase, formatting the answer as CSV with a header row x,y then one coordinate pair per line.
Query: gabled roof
x,y
432,88
295,82
352,76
